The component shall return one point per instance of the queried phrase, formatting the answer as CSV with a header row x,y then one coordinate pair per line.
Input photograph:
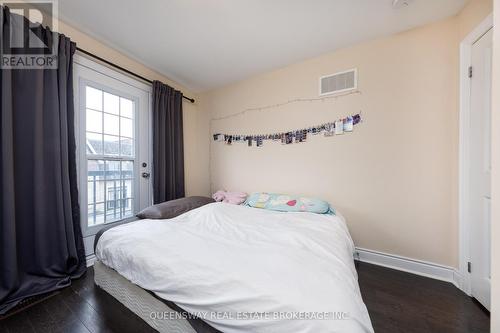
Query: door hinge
x,y
469,267
470,71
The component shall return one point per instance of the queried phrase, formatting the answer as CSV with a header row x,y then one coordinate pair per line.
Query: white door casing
x,y
463,276
480,168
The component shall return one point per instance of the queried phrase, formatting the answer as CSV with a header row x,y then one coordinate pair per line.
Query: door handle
x,y
145,175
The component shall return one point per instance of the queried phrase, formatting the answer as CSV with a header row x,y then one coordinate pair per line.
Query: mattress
x,y
244,269
140,302
131,295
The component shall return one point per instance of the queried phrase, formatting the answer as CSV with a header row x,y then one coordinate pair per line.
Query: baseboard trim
x,y
91,260
414,266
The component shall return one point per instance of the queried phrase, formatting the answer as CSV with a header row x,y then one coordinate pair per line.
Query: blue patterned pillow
x,y
288,203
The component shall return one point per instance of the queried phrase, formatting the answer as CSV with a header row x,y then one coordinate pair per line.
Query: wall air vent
x,y
338,82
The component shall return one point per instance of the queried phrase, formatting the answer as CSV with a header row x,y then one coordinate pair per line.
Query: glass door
x,y
114,146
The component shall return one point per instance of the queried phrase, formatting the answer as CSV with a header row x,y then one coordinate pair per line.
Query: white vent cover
x,y
338,82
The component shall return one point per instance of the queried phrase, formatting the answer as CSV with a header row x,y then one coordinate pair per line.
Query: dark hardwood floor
x,y
403,302
397,302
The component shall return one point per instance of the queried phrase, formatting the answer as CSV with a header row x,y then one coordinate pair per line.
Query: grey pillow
x,y
173,208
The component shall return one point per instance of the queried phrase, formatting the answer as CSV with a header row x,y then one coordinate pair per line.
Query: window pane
x,y
94,144
99,213
126,107
112,170
111,103
126,128
93,98
95,170
127,147
127,169
99,191
111,124
111,145
110,131
113,213
95,214
90,214
127,207
113,190
90,192
94,121
126,190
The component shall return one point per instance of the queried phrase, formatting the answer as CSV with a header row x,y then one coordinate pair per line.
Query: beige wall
x,y
195,122
473,13
395,177
495,188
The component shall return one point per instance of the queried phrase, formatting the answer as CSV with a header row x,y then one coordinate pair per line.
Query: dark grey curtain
x,y
41,245
168,146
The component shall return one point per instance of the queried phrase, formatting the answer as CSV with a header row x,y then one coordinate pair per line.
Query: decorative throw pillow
x,y
288,203
235,198
173,208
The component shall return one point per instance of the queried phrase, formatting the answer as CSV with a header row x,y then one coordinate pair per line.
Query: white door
x,y
480,168
114,145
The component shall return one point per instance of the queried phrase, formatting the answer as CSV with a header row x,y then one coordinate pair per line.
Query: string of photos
x,y
337,127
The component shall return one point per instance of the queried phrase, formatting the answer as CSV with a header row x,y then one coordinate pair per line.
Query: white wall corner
x,y
414,266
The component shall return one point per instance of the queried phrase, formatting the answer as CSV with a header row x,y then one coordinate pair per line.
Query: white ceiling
x,y
204,44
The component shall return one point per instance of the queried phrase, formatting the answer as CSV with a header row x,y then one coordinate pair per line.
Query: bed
x,y
235,269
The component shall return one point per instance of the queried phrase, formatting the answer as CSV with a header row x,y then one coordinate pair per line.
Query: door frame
x,y
85,65
464,219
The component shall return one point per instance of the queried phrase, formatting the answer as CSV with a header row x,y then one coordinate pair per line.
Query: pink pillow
x,y
235,198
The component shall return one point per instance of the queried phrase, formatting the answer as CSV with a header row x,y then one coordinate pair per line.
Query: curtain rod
x,y
123,69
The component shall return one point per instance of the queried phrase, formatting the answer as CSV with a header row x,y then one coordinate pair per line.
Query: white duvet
x,y
245,269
